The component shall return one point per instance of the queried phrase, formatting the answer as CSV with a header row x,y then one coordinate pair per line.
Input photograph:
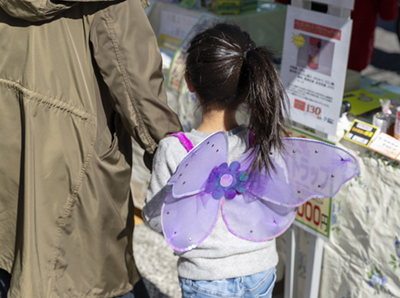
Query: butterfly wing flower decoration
x,y
255,205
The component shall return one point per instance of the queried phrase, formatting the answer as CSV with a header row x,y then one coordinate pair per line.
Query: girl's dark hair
x,y
226,69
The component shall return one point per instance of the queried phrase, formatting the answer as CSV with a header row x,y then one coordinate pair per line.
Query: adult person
x,y
77,80
365,16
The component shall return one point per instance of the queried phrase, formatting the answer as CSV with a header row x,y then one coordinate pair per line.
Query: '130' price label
x,y
311,109
314,110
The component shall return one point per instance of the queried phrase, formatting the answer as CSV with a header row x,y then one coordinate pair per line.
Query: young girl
x,y
226,69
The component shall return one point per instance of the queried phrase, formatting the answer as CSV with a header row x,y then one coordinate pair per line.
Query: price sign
x,y
314,216
361,133
386,145
314,66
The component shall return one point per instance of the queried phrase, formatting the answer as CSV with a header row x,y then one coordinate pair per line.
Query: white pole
x,y
292,236
314,264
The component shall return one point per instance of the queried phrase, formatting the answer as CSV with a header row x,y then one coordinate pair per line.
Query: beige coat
x,y
66,216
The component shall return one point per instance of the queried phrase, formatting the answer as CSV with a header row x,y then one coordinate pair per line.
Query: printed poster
x,y
314,63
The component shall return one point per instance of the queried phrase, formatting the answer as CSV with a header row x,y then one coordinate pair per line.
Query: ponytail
x,y
267,103
227,69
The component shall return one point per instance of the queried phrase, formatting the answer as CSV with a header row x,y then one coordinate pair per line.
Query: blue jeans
x,y
127,295
251,286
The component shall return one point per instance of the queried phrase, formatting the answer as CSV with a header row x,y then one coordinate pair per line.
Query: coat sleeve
x,y
126,52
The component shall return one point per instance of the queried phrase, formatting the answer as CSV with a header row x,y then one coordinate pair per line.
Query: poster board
x,y
175,24
314,64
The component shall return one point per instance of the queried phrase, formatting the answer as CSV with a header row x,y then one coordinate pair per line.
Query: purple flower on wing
x,y
226,181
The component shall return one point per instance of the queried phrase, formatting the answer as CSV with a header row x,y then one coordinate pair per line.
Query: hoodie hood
x,y
38,10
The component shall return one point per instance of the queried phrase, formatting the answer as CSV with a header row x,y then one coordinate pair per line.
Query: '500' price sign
x,y
315,216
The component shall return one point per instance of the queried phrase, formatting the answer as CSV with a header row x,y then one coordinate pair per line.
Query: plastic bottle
x,y
397,124
313,52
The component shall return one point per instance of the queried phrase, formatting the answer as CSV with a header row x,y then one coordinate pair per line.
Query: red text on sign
x,y
310,212
313,110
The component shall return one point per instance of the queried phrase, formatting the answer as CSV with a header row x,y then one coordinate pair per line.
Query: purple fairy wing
x,y
255,219
194,169
316,169
305,169
273,186
311,169
187,221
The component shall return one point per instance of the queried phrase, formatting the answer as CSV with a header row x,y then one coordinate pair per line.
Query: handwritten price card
x,y
386,145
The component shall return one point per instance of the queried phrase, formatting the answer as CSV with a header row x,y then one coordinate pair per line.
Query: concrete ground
x,y
155,258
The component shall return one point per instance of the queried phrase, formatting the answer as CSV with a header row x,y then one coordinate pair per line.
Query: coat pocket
x,y
112,151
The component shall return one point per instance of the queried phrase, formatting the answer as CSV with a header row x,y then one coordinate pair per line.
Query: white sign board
x,y
175,24
314,63
340,3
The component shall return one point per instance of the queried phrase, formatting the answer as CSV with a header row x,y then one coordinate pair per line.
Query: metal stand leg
x,y
314,264
291,264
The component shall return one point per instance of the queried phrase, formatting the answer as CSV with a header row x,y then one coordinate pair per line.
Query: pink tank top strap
x,y
184,140
251,137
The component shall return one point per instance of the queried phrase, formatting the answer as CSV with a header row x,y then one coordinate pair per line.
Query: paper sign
x,y
313,68
361,133
175,24
315,214
386,145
